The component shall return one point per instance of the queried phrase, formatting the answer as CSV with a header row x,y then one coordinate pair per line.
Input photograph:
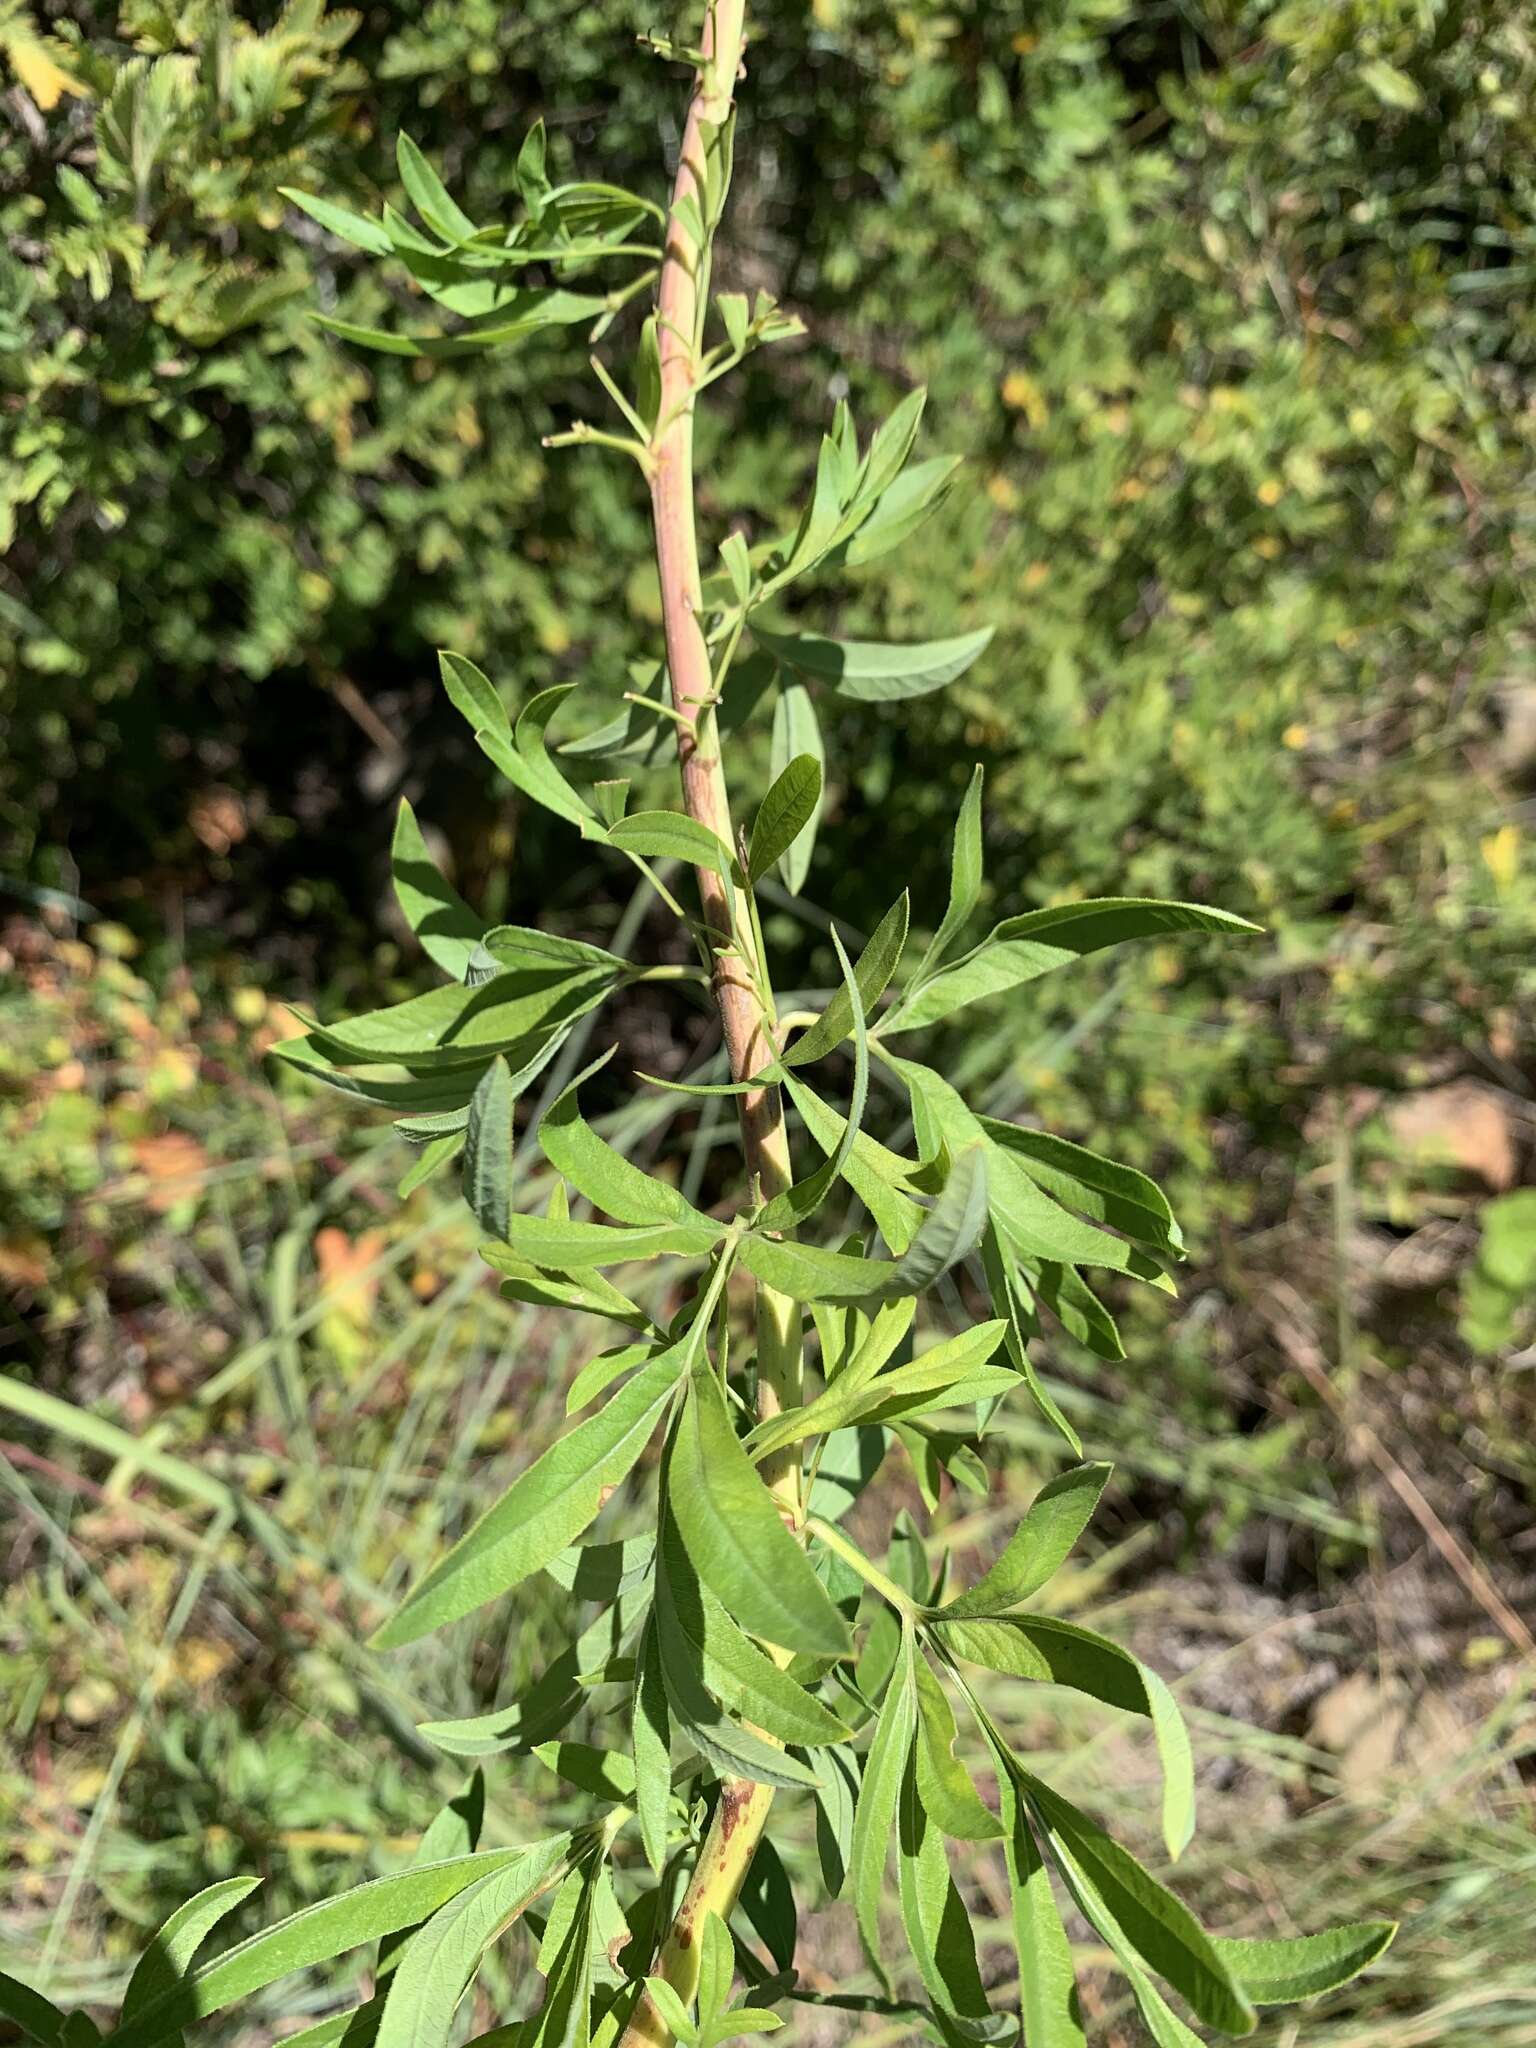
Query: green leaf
x,y
563,1246
672,2010
837,1787
807,1273
951,1230
514,1013
798,1203
875,671
428,194
438,1964
937,1922
525,761
1048,1998
1161,1929
474,696
603,1774
432,1159
1279,1971
672,835
37,2017
1117,1195
1020,949
525,947
727,1662
797,737
608,1180
768,1901
928,1381
890,446
874,1823
601,1372
1092,1664
651,1735
648,374
944,1786
488,1149
786,811
1039,1546
900,510
725,1745
169,1956
876,964
878,1177
317,1933
544,1509
584,1289
735,1538
965,876
564,2019
341,221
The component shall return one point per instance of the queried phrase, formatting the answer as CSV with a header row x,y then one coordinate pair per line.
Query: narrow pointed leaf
x,y
543,1510
1279,1971
1020,949
965,875
474,696
874,671
944,1786
341,221
169,1956
874,1824
785,813
428,194
807,1273
735,1538
796,738
609,1181
566,1246
37,2017
876,965
488,1149
651,1736
1039,1546
797,1204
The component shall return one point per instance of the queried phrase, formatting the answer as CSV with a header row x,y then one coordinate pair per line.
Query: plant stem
x,y
739,980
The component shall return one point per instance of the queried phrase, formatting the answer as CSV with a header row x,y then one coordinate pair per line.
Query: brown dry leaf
x,y
219,817
1461,1124
343,1262
175,1165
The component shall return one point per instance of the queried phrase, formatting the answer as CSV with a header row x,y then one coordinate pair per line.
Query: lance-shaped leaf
x,y
429,195
879,1177
785,812
37,2017
1279,1971
1054,1652
796,738
651,1747
944,1786
1158,1926
1039,1546
564,2019
933,1913
798,1203
951,1230
875,671
169,1956
609,1181
1020,949
874,1823
543,1510
514,1013
965,875
1101,1188
1048,1998
524,759
726,1746
488,1148
730,1665
342,222
672,835
603,1774
901,510
876,965
562,1246
806,1272
317,1933
948,1375
474,696
443,922
525,946
735,1538
837,1791
439,1963
420,1094
584,1288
